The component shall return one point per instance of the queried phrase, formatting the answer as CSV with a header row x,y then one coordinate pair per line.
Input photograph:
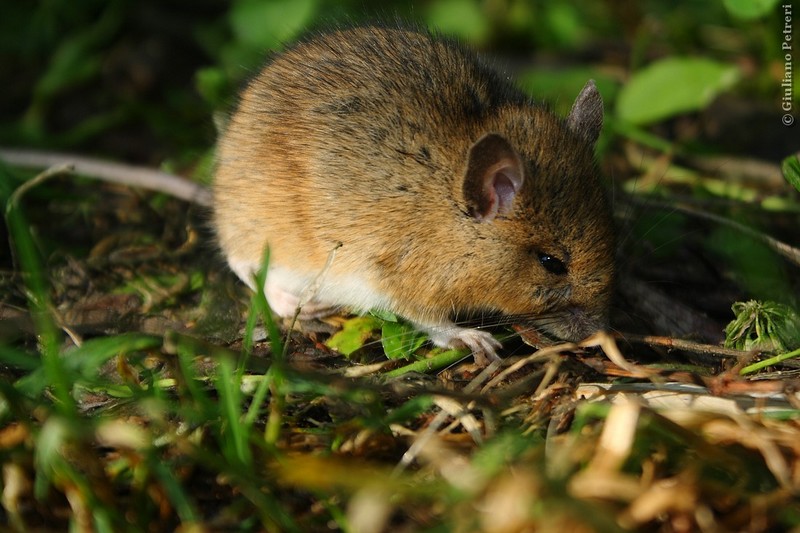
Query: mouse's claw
x,y
483,346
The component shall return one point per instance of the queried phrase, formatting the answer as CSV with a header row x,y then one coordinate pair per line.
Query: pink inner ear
x,y
503,181
494,177
504,192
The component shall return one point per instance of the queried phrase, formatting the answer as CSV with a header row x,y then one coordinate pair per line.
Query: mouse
x,y
394,169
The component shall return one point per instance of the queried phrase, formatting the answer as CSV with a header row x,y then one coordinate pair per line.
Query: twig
x,y
608,344
147,178
789,252
685,345
51,172
749,168
311,290
19,192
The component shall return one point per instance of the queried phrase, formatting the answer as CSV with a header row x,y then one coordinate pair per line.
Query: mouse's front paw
x,y
483,346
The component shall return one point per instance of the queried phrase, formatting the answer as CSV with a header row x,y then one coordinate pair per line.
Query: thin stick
x,y
789,252
146,178
687,346
19,192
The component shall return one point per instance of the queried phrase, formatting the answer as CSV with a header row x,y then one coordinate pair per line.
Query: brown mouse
x,y
443,189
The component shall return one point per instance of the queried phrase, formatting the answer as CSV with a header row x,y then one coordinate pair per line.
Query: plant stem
x,y
749,369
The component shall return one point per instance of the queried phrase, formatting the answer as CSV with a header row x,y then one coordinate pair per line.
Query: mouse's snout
x,y
575,323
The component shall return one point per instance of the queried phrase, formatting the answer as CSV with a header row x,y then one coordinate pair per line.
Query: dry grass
x,y
133,400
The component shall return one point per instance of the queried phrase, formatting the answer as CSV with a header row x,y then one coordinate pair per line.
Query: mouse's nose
x,y
582,323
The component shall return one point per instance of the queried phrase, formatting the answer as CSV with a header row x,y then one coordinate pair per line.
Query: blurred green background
x,y
693,95
140,80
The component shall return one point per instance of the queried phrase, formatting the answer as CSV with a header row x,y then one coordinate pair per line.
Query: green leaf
x,y
384,315
771,361
495,456
260,305
50,442
70,65
437,360
409,410
78,57
53,371
566,22
400,340
791,170
750,9
354,334
82,365
673,86
176,492
17,358
87,359
267,25
461,18
752,263
212,84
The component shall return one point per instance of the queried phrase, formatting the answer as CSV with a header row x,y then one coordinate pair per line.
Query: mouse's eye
x,y
552,264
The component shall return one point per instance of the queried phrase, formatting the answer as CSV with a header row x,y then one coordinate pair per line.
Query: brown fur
x,y
361,137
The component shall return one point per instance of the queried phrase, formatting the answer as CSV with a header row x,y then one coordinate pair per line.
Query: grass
x,y
141,389
156,431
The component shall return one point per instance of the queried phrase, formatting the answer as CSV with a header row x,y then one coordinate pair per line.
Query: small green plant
x,y
765,326
399,339
791,170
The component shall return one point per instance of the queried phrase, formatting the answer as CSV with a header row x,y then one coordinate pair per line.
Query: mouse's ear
x,y
586,116
493,179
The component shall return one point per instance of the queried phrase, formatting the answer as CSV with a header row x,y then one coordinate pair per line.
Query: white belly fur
x,y
324,291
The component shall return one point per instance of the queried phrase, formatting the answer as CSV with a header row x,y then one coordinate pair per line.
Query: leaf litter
x,y
620,432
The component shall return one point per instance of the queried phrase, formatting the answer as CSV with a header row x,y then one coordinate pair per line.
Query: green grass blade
x,y
187,381
230,397
93,353
183,504
263,310
431,364
19,359
39,305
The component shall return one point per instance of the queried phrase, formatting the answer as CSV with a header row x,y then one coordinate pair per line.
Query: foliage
x,y
354,333
766,326
67,46
673,86
791,171
399,339
750,9
176,410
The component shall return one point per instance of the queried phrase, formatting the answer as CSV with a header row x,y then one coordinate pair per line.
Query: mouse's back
x,y
343,129
441,186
